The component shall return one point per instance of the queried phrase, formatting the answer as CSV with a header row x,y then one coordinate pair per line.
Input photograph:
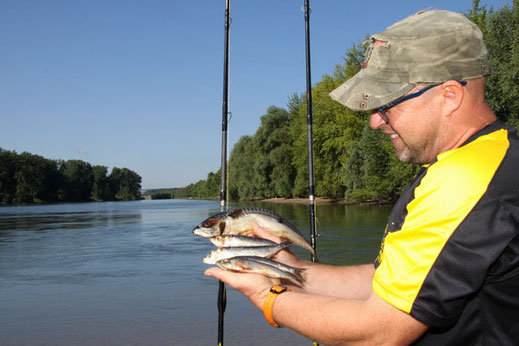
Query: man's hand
x,y
284,256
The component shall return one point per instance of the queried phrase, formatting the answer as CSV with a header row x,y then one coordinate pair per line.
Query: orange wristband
x,y
275,291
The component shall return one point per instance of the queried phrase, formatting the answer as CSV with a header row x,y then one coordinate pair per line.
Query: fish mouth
x,y
202,232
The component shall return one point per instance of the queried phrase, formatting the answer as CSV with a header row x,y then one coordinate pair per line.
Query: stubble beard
x,y
418,154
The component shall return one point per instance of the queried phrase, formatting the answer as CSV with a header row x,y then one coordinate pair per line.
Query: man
x,y
448,268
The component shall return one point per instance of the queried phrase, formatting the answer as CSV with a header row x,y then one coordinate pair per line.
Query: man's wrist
x,y
268,304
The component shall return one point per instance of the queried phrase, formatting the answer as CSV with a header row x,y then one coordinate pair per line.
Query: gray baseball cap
x,y
428,47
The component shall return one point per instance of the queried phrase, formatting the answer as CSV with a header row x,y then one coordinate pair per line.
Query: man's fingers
x,y
261,233
214,272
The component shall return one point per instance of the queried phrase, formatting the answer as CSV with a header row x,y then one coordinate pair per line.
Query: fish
x,y
239,240
263,266
298,272
240,221
228,252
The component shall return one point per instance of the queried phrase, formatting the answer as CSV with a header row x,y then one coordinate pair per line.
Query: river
x,y
130,273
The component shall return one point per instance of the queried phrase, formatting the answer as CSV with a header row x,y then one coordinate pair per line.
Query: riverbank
x,y
295,200
300,200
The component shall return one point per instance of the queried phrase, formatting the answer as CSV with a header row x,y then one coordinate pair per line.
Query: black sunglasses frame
x,y
382,110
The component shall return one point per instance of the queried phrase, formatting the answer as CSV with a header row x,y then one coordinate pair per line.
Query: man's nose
x,y
376,120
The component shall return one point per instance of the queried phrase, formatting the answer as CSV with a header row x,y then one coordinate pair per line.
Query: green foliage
x,y
29,175
372,172
261,165
162,195
8,184
101,187
501,33
241,172
334,129
78,180
29,178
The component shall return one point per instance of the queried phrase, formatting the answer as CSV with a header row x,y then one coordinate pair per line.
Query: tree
x,y
27,179
114,181
241,169
373,172
78,179
101,186
8,161
501,33
37,179
335,128
270,137
129,186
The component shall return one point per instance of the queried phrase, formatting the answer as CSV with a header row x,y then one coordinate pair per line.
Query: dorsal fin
x,y
236,213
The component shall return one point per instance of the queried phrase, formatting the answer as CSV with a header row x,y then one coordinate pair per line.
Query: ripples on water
x,y
130,273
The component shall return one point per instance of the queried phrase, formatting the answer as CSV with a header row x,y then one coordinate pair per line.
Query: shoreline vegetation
x,y
32,179
353,163
283,200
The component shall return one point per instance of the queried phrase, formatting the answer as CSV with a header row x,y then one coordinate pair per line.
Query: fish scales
x,y
293,270
228,252
238,240
250,264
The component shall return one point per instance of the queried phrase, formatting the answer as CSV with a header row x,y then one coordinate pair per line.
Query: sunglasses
x,y
382,110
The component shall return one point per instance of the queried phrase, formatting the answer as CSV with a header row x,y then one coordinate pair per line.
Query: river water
x,y
130,273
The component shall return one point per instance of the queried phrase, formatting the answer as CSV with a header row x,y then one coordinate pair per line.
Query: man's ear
x,y
452,94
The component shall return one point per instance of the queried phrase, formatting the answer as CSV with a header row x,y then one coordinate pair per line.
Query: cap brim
x,y
362,94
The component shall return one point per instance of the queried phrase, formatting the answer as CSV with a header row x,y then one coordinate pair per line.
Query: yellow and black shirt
x,y
450,254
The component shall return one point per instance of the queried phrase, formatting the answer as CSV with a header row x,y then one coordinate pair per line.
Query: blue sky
x,y
138,84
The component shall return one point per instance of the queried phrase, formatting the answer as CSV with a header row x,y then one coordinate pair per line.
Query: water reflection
x,y
53,221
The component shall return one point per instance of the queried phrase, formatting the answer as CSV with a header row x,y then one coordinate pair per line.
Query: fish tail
x,y
309,248
298,274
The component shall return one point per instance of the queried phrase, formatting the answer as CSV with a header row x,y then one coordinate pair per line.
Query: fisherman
x,y
448,269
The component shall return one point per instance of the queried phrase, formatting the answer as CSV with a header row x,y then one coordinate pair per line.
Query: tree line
x,y
351,160
29,178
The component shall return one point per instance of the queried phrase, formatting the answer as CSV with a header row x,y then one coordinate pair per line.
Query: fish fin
x,y
285,244
221,227
299,273
236,213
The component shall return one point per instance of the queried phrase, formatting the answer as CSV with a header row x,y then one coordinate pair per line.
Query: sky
x,y
139,84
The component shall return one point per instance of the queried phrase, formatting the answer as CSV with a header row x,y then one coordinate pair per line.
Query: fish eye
x,y
209,223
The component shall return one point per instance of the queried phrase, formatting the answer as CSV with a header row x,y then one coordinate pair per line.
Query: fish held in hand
x,y
263,266
239,240
297,272
228,252
240,221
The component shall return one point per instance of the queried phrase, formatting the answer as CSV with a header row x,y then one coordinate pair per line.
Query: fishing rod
x,y
311,197
222,294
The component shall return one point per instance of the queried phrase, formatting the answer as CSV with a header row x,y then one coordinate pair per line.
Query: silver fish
x,y
228,252
298,272
239,240
240,221
258,265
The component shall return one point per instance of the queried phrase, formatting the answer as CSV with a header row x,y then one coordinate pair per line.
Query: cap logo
x,y
367,55
369,50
